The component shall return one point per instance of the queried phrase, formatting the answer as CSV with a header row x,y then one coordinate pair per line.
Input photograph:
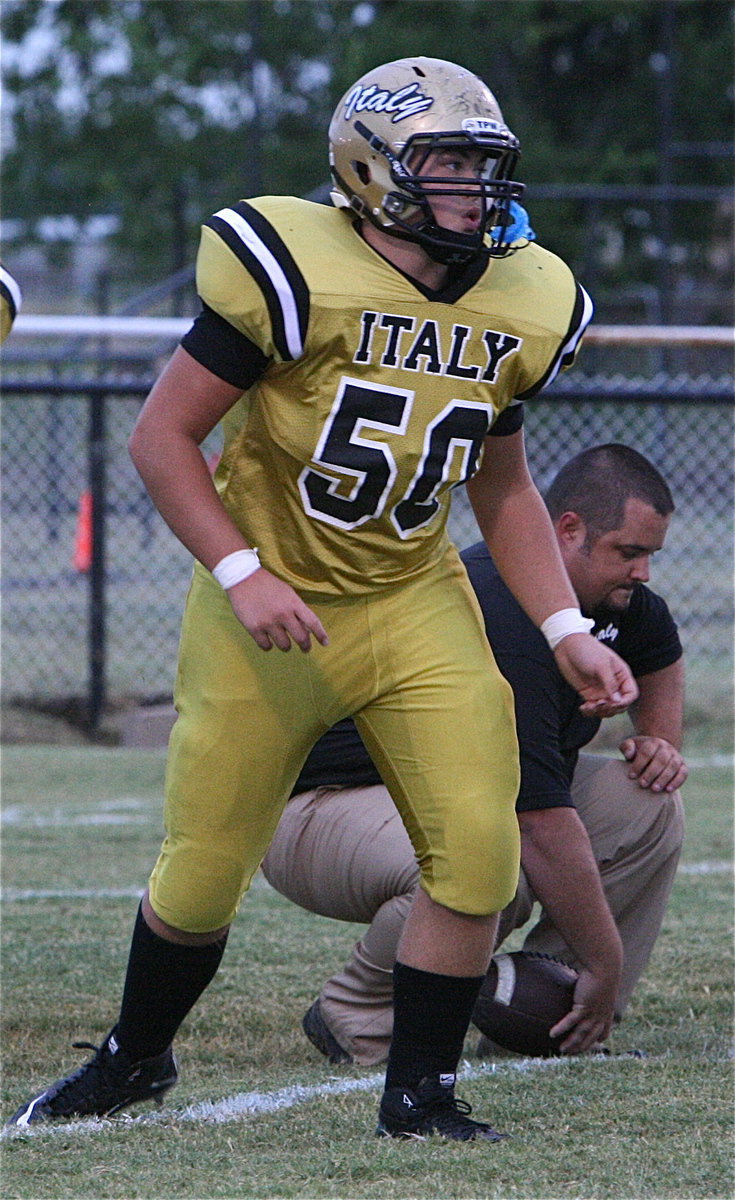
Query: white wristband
x,y
560,624
233,568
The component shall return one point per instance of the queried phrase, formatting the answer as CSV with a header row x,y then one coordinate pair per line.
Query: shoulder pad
x,y
247,274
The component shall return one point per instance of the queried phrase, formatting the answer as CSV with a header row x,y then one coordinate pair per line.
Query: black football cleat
x,y
107,1083
315,1028
431,1108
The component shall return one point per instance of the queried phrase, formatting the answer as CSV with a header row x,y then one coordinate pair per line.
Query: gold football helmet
x,y
384,130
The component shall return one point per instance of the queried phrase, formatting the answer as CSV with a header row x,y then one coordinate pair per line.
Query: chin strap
x,y
514,229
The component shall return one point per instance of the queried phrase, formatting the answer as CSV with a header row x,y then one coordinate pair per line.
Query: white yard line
x,y
710,760
719,867
18,895
125,810
137,810
11,895
255,1104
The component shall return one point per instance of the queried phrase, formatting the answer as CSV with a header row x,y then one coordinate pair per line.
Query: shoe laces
x,y
447,1114
67,1084
448,1108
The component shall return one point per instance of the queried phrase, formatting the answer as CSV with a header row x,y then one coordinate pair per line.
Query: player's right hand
x,y
590,1019
603,680
274,614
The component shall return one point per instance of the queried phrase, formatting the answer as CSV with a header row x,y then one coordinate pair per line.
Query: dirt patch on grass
x,y
144,725
23,725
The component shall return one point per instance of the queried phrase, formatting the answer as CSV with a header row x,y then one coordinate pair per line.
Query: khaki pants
x,y
344,853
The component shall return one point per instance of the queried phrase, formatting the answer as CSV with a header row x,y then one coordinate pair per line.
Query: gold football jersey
x,y
339,462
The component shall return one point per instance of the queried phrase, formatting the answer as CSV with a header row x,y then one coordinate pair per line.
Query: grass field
x,y
257,1112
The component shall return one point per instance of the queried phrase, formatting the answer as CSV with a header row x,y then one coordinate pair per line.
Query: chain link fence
x,y
83,635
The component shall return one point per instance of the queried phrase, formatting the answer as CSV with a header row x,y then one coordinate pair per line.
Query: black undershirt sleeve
x,y
508,421
223,350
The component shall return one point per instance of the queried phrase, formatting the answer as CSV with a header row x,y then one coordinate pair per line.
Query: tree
x,y
154,111
158,112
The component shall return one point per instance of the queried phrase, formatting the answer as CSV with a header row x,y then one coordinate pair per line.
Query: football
x,y
522,998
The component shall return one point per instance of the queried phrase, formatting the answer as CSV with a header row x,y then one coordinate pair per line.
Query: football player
x,y
600,836
10,302
364,359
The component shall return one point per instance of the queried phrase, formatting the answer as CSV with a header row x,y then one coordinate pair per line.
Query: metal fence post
x,y
97,632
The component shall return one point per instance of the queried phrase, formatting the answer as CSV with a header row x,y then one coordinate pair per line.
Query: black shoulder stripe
x,y
265,256
564,357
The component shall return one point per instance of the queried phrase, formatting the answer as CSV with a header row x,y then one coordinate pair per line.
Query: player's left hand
x,y
654,763
602,679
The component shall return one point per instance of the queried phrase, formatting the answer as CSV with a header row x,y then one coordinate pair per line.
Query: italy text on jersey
x,y
404,347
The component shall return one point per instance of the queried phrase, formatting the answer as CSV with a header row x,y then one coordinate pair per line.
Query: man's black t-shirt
x,y
551,729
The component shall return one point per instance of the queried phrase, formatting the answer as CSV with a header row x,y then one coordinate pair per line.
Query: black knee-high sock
x,y
431,1015
164,981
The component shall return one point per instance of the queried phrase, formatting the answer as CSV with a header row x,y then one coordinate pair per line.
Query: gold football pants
x,y
413,665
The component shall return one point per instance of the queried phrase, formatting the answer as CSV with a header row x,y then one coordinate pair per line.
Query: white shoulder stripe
x,y
568,350
275,273
12,286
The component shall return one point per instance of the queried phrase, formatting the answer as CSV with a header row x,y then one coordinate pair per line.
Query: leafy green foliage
x,y
159,112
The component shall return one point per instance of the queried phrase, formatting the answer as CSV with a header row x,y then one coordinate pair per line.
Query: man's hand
x,y
559,865
273,613
590,1020
654,762
602,679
